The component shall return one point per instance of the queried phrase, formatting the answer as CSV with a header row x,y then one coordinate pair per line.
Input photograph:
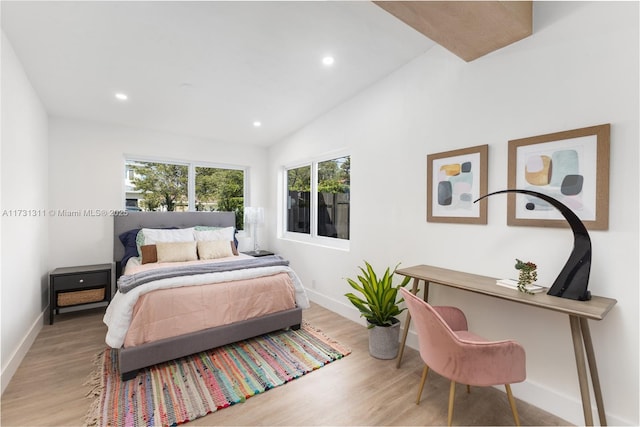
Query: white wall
x,y
24,229
53,164
580,68
87,172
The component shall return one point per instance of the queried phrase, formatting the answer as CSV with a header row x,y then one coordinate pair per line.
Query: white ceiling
x,y
205,69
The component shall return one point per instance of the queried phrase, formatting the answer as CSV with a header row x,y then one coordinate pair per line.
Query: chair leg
x,y
512,402
425,371
452,392
468,388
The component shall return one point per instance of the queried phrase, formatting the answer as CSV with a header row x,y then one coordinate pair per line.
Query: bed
x,y
258,310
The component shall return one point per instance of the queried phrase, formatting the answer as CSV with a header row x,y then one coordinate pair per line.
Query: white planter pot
x,y
384,341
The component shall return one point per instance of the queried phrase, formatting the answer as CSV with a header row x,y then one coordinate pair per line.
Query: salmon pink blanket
x,y
173,306
169,313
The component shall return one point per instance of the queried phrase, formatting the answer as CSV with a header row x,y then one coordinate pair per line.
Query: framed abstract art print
x,y
454,180
571,166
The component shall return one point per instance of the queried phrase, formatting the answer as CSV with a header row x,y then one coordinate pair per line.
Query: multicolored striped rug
x,y
182,390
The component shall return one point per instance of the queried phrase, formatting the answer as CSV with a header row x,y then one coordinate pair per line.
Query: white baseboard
x,y
338,307
567,407
10,368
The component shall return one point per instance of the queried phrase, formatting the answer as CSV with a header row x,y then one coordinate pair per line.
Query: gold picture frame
x,y
454,180
571,166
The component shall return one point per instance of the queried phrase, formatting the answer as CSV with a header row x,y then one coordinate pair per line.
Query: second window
x,y
318,198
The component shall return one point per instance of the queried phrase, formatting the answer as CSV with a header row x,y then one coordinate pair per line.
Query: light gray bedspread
x,y
128,282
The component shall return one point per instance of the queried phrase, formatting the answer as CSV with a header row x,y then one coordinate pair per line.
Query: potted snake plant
x,y
379,305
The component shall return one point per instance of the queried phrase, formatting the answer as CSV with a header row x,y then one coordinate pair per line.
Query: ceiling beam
x,y
469,29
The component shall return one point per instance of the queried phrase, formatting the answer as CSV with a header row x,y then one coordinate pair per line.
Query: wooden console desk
x,y
578,311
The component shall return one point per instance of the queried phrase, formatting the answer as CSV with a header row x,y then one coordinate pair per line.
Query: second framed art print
x,y
570,166
454,180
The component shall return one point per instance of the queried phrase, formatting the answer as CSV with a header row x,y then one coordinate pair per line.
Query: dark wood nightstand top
x,y
81,269
259,253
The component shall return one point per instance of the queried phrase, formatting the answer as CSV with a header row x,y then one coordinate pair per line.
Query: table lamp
x,y
573,279
254,216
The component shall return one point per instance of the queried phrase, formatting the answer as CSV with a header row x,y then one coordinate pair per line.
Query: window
x,y
299,200
165,186
158,186
219,189
318,198
333,197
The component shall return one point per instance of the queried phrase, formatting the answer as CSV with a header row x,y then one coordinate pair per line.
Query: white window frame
x,y
312,238
191,180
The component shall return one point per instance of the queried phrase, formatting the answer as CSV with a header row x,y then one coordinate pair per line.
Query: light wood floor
x,y
48,389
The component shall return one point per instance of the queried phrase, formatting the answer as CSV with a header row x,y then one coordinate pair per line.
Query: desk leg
x,y
578,349
407,322
593,370
425,297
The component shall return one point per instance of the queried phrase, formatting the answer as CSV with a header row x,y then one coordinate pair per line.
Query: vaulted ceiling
x,y
210,69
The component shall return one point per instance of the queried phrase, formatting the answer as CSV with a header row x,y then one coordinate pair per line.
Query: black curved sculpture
x,y
573,280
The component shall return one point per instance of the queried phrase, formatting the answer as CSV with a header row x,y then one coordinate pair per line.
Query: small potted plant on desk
x,y
379,305
527,275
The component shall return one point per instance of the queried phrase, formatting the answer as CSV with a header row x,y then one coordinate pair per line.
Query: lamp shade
x,y
253,215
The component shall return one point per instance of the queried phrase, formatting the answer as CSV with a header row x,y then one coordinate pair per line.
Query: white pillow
x,y
176,251
154,235
213,249
219,234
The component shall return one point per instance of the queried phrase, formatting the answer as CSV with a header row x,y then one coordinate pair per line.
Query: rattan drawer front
x,y
81,280
66,299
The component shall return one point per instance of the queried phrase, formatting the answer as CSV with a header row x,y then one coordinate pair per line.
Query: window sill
x,y
323,242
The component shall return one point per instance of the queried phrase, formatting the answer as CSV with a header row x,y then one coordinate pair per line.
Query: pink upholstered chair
x,y
447,347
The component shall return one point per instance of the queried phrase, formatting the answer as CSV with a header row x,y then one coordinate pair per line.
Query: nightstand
x,y
78,286
259,253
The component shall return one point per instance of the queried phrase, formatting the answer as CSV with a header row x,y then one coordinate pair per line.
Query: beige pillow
x,y
213,249
176,251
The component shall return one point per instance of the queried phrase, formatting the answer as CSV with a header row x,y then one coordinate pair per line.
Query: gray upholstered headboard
x,y
165,219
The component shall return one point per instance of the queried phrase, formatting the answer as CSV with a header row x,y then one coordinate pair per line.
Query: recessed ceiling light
x,y
328,60
257,124
121,96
